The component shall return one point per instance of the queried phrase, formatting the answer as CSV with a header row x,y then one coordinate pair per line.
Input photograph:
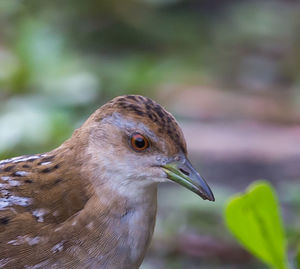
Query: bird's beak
x,y
184,173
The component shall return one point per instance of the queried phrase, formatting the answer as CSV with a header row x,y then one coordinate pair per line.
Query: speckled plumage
x,y
91,203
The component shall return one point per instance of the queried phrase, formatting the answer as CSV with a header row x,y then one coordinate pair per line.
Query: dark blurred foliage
x,y
229,71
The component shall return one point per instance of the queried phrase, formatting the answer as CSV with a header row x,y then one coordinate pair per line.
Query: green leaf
x,y
297,260
254,219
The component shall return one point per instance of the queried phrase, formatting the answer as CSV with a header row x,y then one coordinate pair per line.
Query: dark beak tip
x,y
209,198
208,195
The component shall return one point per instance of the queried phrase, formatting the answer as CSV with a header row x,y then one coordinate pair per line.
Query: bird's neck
x,y
125,228
120,217
130,212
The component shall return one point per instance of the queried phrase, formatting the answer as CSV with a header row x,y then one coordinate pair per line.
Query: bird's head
x,y
134,141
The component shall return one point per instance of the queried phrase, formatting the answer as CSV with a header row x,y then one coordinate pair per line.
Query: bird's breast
x,y
124,233
138,225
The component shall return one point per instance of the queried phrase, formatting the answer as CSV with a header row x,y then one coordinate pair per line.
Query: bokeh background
x,y
228,70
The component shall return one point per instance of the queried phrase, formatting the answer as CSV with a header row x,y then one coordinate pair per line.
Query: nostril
x,y
184,172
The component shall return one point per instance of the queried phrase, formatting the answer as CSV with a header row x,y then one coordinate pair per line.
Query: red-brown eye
x,y
139,142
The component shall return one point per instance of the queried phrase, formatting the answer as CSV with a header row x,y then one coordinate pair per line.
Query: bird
x,y
92,202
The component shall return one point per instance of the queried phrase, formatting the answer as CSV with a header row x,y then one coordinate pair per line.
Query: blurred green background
x,y
228,70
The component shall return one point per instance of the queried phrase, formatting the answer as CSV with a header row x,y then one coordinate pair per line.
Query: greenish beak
x,y
184,174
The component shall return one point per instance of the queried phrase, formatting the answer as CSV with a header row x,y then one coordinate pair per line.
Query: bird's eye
x,y
139,142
